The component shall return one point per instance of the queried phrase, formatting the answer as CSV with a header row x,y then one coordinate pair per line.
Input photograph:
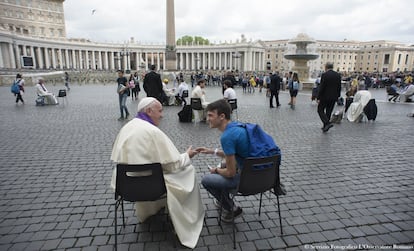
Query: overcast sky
x,y
220,20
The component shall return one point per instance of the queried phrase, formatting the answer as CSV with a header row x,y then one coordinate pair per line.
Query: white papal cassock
x,y
140,142
356,108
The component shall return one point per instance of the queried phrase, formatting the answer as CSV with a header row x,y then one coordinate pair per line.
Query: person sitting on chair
x,y
181,88
361,99
407,92
229,92
139,142
169,93
235,144
41,90
199,92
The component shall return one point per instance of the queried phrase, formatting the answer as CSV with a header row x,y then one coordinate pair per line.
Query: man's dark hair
x,y
329,65
228,83
221,106
121,71
152,67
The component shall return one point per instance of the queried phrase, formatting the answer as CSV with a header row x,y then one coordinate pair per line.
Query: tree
x,y
189,40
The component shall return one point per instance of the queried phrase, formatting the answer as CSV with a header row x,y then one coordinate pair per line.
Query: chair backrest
x,y
185,94
139,182
233,103
259,175
62,93
196,104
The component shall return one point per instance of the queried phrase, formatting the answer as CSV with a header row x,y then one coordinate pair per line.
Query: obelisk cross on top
x,y
170,50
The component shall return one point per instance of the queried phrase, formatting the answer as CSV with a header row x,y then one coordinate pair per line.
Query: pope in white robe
x,y
140,141
356,108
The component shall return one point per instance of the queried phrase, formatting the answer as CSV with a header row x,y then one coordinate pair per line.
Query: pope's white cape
x,y
356,108
140,142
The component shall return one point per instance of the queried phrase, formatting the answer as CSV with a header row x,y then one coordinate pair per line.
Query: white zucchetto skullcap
x,y
145,102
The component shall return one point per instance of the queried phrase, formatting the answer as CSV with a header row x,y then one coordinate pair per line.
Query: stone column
x,y
187,61
254,60
39,57
53,58
99,60
137,60
74,64
220,59
164,62
93,63
159,61
146,61
106,60
12,57
214,60
60,58
87,64
67,58
81,65
47,58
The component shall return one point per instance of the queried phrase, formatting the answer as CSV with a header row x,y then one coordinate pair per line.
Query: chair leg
x,y
123,214
260,203
116,227
233,225
280,216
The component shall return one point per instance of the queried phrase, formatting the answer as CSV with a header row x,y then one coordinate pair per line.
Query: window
x,y
386,58
399,58
406,59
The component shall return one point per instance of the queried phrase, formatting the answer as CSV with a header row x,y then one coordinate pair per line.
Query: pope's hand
x,y
191,153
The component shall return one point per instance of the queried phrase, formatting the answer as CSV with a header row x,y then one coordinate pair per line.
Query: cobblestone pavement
x,y
351,186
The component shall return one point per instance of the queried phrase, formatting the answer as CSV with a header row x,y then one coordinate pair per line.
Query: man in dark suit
x,y
274,88
153,85
329,92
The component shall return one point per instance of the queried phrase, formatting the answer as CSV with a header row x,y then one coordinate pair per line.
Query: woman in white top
x,y
229,92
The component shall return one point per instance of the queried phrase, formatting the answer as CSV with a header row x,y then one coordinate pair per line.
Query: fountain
x,y
301,57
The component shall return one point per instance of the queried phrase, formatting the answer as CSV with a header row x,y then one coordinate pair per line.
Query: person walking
x,y
123,91
293,89
329,92
20,82
274,88
67,81
153,85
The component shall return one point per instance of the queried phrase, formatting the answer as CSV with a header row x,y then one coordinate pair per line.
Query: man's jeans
x,y
122,105
218,185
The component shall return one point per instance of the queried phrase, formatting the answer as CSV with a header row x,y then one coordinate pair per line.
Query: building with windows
x,y
347,56
33,36
35,18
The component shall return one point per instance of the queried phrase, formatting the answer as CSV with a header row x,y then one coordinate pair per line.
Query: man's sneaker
x,y
226,217
120,118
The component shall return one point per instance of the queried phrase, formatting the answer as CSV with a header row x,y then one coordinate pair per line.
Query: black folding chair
x,y
137,183
197,106
258,175
184,97
233,105
62,95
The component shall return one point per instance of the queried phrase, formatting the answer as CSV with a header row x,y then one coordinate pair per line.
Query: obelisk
x,y
170,52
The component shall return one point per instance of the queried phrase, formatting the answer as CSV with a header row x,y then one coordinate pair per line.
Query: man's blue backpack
x,y
261,143
15,88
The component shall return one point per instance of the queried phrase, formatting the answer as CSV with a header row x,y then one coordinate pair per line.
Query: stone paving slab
x,y
351,186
